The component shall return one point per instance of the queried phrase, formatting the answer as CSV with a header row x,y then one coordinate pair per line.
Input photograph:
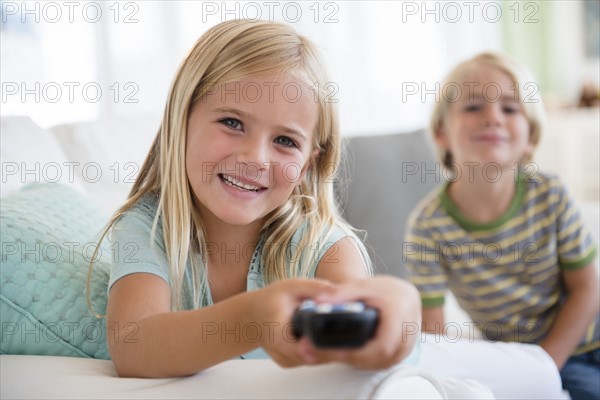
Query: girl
x,y
509,243
233,211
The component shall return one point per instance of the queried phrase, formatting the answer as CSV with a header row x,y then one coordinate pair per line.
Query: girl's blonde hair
x,y
525,84
229,52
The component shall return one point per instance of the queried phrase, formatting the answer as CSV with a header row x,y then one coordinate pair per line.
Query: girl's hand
x,y
274,307
399,308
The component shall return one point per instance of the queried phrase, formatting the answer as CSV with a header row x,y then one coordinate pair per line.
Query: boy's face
x,y
248,146
486,123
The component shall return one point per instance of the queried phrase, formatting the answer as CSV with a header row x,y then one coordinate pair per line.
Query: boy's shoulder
x,y
543,183
428,207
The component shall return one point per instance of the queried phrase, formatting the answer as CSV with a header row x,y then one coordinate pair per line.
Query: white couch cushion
x,y
109,154
31,154
37,377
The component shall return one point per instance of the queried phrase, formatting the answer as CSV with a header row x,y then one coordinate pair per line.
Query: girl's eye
x,y
232,123
285,141
472,107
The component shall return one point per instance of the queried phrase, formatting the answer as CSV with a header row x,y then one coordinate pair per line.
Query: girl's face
x,y
486,124
248,146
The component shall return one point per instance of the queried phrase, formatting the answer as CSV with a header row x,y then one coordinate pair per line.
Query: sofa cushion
x,y
380,182
108,154
31,154
49,233
31,377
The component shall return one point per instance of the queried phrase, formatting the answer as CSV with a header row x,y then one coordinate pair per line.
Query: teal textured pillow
x,y
48,235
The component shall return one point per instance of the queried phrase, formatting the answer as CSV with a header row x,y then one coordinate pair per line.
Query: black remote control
x,y
346,325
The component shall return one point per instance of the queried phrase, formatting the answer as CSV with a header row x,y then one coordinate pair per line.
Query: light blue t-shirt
x,y
134,253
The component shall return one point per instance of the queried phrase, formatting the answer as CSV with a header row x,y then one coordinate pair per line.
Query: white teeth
x,y
235,182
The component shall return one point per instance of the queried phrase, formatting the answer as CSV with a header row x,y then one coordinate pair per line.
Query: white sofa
x,y
101,159
47,377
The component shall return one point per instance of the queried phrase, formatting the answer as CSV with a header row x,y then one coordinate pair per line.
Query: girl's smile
x,y
246,153
240,187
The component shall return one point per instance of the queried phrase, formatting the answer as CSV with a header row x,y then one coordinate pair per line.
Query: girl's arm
x,y
342,262
581,306
145,339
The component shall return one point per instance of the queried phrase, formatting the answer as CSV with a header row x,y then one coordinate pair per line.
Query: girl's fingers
x,y
388,347
394,300
315,289
285,361
376,287
303,354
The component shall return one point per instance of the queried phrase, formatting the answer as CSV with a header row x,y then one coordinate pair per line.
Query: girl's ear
x,y
312,160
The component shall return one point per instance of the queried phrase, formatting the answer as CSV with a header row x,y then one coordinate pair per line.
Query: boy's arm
x,y
581,306
433,320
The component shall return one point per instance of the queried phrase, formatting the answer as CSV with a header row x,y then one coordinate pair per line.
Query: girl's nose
x,y
254,153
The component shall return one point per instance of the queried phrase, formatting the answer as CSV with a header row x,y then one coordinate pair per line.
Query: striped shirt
x,y
505,274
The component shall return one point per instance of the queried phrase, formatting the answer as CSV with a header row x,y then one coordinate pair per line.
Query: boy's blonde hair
x,y
229,52
528,92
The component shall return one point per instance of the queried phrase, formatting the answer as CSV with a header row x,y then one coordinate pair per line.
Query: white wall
x,y
378,53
